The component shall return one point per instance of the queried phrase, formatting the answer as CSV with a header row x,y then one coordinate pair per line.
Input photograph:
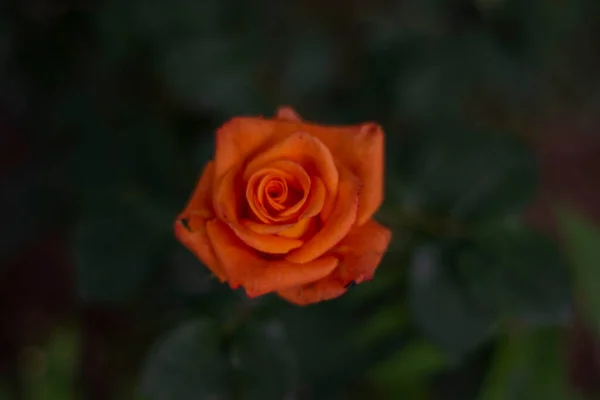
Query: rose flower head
x,y
286,206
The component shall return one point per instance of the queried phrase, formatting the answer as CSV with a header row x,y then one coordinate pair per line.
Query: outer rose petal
x,y
337,225
286,113
360,253
255,273
361,148
196,213
325,289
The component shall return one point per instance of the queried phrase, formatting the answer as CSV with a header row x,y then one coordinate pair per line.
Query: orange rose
x,y
286,207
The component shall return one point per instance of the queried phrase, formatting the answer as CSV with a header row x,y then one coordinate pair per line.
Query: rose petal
x,y
239,139
296,230
256,274
271,244
337,226
306,150
199,244
190,226
324,289
266,229
316,199
366,159
263,188
287,114
226,205
201,200
360,253
297,178
360,148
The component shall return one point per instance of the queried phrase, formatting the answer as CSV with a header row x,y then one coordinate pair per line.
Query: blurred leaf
x,y
5,393
54,375
582,243
128,202
329,359
540,29
388,320
5,42
189,363
441,305
264,364
199,360
214,73
464,175
454,73
461,289
115,251
406,372
143,153
127,28
25,211
528,365
159,21
309,69
520,274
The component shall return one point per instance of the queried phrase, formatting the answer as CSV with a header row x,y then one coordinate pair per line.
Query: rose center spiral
x,y
276,194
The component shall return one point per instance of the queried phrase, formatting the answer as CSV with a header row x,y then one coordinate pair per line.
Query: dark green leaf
x,y
460,289
416,360
51,372
465,175
213,73
189,363
528,365
582,241
520,274
455,75
441,305
264,364
309,69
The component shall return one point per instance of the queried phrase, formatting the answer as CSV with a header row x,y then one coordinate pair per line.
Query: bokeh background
x,y
490,289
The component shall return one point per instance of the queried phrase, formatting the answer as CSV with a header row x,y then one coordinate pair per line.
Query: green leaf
x,y
518,273
528,365
52,369
200,360
582,245
416,359
453,173
388,320
441,305
189,363
462,288
328,357
115,251
406,372
263,362
309,68
26,209
127,203
213,73
456,74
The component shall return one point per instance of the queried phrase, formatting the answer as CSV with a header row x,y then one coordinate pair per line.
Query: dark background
x,y
108,110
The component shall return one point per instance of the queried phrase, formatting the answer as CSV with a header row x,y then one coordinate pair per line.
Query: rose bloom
x,y
286,206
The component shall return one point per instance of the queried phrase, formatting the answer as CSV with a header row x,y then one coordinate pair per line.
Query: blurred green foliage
x,y
107,114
